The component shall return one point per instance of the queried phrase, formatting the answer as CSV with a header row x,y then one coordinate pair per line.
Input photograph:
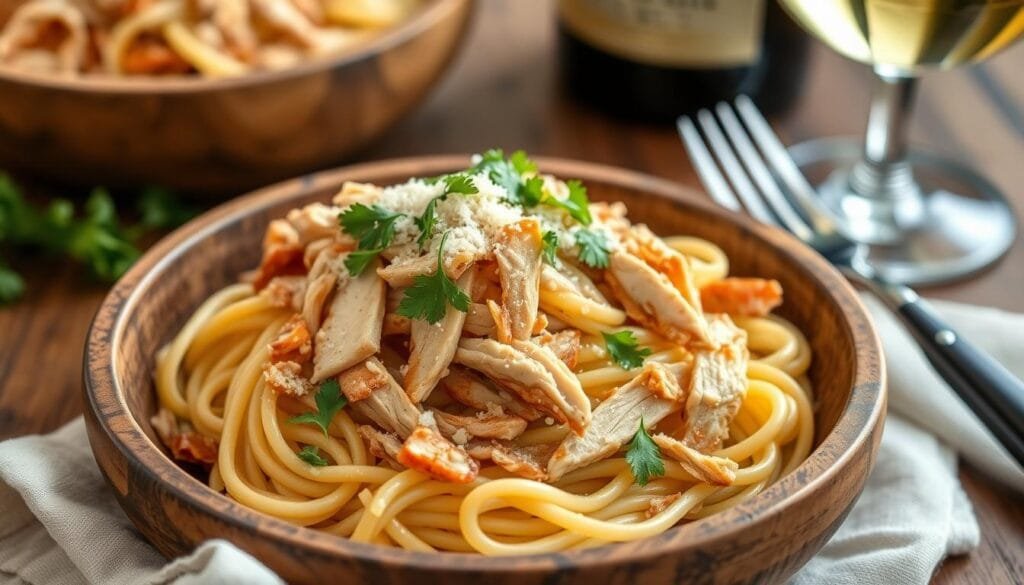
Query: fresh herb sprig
x,y
95,237
624,349
549,249
460,184
311,455
517,175
429,296
593,248
329,401
374,227
644,457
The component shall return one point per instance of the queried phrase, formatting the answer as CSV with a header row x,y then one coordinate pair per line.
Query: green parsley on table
x,y
329,400
550,247
622,347
644,457
429,296
593,247
311,455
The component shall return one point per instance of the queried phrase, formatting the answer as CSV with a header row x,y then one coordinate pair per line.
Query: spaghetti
x,y
538,488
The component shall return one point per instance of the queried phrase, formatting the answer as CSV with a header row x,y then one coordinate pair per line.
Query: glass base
x,y
958,225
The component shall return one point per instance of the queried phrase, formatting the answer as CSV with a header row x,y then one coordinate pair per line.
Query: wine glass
x,y
926,219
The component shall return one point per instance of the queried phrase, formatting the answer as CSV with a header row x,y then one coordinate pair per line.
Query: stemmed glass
x,y
926,219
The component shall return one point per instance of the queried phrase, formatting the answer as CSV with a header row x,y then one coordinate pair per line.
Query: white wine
x,y
908,34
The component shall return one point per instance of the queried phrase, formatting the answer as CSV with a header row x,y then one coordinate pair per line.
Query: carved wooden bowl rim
x,y
852,433
424,19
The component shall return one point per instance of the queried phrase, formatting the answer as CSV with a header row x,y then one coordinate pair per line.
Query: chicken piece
x,y
403,274
479,320
650,298
706,468
427,451
314,222
292,343
282,253
380,398
466,388
352,193
383,446
659,504
568,278
748,297
185,444
718,384
666,260
518,253
533,373
351,331
30,24
286,292
565,344
395,324
651,396
502,327
484,425
432,347
286,377
528,461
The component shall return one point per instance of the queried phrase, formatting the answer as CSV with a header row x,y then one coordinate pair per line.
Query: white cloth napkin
x,y
61,525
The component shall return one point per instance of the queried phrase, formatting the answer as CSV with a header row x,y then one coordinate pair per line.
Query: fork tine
x,y
733,169
713,180
762,176
784,166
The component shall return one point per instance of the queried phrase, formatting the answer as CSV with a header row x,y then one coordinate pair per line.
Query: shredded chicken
x,y
292,343
427,451
528,461
652,395
286,292
749,297
286,378
380,398
518,252
282,253
706,468
432,347
352,329
466,388
185,444
531,372
384,446
483,425
565,344
650,298
717,385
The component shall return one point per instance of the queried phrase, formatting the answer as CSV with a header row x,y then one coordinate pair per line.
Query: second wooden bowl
x,y
763,540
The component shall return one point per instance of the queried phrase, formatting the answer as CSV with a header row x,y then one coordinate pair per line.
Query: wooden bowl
x,y
762,540
224,136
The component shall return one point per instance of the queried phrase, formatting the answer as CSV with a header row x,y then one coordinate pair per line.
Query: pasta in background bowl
x,y
276,109
764,534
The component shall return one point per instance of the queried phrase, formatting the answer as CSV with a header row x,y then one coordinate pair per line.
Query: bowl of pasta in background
x,y
223,135
763,539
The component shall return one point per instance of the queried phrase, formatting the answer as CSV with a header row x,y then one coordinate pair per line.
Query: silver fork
x,y
764,180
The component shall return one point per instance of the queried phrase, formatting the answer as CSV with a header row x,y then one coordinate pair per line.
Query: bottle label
x,y
670,33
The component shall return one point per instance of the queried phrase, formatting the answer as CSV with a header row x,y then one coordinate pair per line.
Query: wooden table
x,y
503,91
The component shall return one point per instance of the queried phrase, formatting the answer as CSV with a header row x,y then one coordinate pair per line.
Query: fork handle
x,y
994,394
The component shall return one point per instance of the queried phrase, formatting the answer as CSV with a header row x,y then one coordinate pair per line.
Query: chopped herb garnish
x,y
577,205
622,347
508,174
11,285
311,455
357,261
460,184
644,457
550,247
373,225
593,247
329,400
430,295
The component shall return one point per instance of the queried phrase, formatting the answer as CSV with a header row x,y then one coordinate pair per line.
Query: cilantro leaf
x,y
357,261
311,455
329,400
426,222
550,242
593,248
644,457
622,347
373,225
429,295
577,204
508,174
11,285
521,163
461,184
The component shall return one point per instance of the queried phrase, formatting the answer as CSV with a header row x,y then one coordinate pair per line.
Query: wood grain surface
x,y
497,96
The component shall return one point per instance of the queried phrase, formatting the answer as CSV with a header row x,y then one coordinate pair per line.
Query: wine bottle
x,y
657,59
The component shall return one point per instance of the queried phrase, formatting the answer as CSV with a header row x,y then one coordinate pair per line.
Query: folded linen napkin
x,y
62,525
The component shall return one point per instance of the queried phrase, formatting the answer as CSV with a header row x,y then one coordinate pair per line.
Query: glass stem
x,y
884,172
